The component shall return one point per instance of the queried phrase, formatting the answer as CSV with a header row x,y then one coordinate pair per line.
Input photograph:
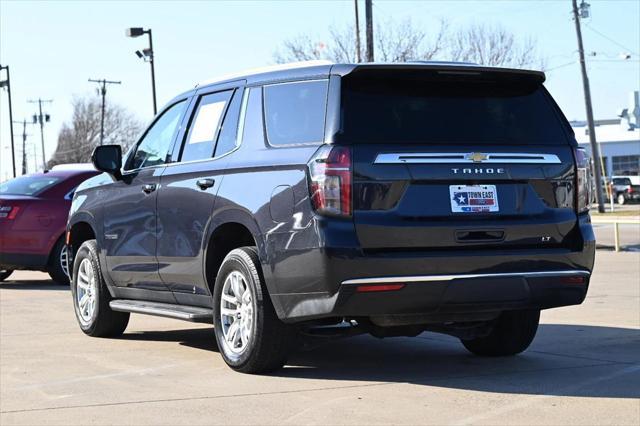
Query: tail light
x,y
630,190
583,180
9,212
330,176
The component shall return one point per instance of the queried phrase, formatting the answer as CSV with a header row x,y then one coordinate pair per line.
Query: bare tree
x,y
395,41
494,46
401,41
78,138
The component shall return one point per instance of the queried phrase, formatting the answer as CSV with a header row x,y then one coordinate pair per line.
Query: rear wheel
x,y
59,263
91,297
513,333
4,274
250,336
621,199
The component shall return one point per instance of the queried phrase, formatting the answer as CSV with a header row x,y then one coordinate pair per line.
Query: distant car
x,y
33,216
624,189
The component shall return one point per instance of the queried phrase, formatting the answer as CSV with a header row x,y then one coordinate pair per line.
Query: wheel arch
x,y
228,230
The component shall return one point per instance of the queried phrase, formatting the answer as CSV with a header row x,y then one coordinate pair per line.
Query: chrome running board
x,y
167,310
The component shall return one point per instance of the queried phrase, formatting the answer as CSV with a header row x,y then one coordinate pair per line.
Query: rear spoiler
x,y
434,69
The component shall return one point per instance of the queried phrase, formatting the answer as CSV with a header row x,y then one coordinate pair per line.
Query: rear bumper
x,y
439,283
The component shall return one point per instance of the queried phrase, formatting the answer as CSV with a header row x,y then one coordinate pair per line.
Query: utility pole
x,y
7,83
595,152
40,118
368,16
103,92
358,57
24,145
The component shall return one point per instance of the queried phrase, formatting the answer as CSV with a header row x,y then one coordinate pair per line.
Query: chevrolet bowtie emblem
x,y
477,157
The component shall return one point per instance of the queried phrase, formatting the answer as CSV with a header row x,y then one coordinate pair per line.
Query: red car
x,y
33,217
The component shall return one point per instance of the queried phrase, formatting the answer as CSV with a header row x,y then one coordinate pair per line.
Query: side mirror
x,y
108,158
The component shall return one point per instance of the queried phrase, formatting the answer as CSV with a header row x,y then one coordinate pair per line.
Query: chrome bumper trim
x,y
432,278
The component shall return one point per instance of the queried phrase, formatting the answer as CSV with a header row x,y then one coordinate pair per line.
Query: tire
x,y
261,342
513,333
97,320
58,263
621,200
5,273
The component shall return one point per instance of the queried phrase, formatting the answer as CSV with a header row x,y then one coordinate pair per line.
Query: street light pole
x,y
595,152
153,71
146,55
103,92
13,149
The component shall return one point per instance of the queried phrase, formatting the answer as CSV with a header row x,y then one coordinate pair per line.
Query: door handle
x,y
205,183
149,188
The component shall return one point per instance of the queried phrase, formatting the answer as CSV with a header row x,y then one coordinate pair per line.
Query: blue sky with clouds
x,y
53,47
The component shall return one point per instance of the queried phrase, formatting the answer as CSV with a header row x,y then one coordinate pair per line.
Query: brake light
x,y
583,180
375,288
330,177
9,212
630,190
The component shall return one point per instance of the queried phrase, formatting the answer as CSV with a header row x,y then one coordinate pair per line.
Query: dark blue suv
x,y
336,199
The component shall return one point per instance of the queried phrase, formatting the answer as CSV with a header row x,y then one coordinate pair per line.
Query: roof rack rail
x,y
263,70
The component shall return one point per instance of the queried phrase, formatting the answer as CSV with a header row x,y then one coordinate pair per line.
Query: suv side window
x,y
205,126
227,140
295,112
154,146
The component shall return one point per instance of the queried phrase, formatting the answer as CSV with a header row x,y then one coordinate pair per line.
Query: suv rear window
x,y
28,185
449,112
295,112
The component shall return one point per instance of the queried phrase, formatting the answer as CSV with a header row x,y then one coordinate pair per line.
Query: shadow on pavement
x,y
568,360
33,285
199,338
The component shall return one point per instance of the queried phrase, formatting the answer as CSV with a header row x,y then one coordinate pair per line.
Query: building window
x,y
626,165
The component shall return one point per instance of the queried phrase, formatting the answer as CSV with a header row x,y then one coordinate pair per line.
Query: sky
x,y
53,47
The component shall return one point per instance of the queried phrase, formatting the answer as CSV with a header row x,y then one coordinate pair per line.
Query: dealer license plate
x,y
473,198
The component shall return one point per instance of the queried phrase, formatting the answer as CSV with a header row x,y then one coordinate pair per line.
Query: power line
x,y
611,40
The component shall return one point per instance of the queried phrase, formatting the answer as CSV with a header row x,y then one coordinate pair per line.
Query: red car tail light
x,y
583,180
330,177
9,212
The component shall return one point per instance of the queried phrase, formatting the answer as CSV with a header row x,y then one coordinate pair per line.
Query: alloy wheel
x,y
236,312
86,291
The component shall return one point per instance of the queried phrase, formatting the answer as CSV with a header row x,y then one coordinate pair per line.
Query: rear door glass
x,y
200,140
448,112
295,112
227,140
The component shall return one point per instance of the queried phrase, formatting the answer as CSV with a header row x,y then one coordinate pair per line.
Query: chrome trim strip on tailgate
x,y
466,158
432,278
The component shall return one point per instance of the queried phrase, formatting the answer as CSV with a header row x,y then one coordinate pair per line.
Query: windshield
x,y
28,185
449,112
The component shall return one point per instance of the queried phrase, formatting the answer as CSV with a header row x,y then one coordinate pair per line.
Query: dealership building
x,y
618,138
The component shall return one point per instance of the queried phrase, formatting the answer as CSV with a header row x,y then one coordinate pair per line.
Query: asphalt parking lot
x,y
583,368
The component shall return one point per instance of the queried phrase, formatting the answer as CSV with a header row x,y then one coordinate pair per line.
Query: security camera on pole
x,y
147,56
